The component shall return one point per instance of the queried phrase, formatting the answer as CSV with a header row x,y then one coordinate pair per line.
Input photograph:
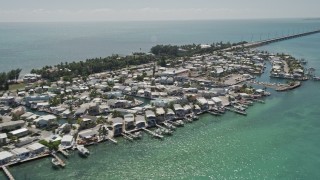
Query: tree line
x,y
160,53
8,77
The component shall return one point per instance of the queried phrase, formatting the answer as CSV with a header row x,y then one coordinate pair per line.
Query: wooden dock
x,y
7,172
113,140
153,133
65,153
61,162
127,137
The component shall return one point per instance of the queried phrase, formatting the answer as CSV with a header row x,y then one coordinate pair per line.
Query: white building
x,y
5,157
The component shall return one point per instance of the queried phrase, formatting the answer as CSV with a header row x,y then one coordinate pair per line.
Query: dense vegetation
x,y
160,53
6,78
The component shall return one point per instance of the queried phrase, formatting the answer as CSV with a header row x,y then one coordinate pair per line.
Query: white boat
x,y
55,162
82,150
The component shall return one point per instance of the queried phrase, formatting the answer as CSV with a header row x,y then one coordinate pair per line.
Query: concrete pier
x,y
7,172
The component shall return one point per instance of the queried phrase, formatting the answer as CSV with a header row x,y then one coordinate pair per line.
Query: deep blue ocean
x,y
277,140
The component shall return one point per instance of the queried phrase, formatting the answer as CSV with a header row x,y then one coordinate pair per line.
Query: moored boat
x,y
83,151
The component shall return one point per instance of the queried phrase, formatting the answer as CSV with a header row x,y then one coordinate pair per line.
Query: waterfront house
x,y
5,157
46,120
67,141
187,109
117,124
3,139
151,118
21,153
179,110
36,148
140,121
170,115
88,134
19,132
203,103
197,109
128,121
11,125
160,114
217,101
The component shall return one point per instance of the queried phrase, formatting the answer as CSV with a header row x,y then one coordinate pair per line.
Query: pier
x,y
7,172
273,40
60,160
153,133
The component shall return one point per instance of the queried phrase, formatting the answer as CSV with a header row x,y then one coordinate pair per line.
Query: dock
x,y
277,86
7,172
60,160
65,153
153,133
112,140
127,137
236,111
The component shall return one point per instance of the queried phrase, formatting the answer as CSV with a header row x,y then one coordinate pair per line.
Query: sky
x,y
151,10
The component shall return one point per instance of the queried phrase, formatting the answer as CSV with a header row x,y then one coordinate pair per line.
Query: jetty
x,y
153,133
61,162
7,172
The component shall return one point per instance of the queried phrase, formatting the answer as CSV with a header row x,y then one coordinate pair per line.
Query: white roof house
x,y
19,132
36,147
45,120
67,141
5,157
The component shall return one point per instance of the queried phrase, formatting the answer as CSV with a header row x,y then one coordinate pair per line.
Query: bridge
x,y
269,41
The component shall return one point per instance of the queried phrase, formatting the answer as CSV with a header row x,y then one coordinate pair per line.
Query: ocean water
x,y
277,140
34,45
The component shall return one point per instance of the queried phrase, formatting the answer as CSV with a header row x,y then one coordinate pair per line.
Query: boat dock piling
x,y
60,160
127,137
7,172
153,133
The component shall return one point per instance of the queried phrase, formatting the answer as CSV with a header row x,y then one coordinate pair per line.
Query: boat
x,y
179,123
170,126
138,135
195,118
55,162
82,150
166,131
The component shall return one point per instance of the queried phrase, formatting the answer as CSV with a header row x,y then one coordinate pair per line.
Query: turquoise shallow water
x,y
277,140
